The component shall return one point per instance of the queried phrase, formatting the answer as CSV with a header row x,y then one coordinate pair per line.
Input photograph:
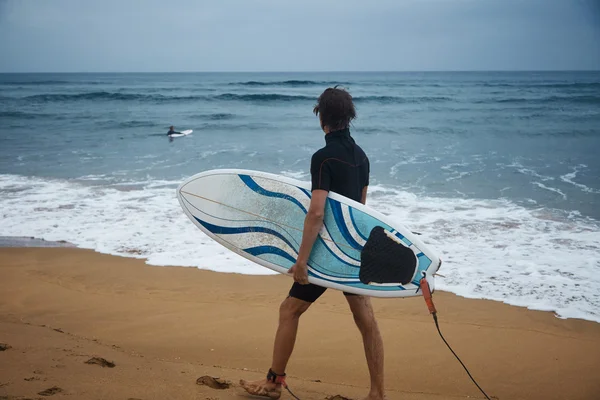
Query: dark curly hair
x,y
336,108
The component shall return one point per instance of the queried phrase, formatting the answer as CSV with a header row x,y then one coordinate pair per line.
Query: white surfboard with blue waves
x,y
261,217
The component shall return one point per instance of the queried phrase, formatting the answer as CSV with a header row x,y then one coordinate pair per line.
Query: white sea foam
x,y
411,160
550,189
301,175
568,178
528,171
143,223
458,175
457,170
537,258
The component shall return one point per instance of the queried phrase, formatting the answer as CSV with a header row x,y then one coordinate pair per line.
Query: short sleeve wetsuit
x,y
341,167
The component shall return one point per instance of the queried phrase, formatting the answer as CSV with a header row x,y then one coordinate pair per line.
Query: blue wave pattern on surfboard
x,y
336,253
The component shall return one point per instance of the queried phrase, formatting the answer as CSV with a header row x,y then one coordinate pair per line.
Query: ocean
x,y
499,171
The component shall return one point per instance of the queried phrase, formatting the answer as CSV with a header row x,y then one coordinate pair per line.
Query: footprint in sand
x,y
214,383
101,362
50,391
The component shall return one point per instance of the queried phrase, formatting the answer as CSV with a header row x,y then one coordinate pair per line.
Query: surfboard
x,y
260,216
182,133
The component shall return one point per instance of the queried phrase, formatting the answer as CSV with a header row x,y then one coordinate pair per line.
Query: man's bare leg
x,y
365,321
289,314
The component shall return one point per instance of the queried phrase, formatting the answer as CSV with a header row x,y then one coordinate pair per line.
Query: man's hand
x,y
312,224
300,273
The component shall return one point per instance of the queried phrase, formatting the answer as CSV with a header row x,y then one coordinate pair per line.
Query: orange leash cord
x,y
426,290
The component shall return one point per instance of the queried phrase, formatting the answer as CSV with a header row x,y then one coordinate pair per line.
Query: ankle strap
x,y
276,378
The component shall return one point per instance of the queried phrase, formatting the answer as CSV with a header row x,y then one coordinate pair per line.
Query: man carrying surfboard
x,y
341,167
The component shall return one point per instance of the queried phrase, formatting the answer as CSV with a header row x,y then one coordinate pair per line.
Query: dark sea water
x,y
500,171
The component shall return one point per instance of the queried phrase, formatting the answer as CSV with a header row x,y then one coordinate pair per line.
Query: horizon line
x,y
298,72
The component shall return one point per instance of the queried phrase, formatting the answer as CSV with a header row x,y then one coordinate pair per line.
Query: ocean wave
x,y
492,249
401,100
213,117
219,116
240,126
159,98
265,97
569,178
49,82
550,189
112,96
582,99
301,83
89,96
23,115
279,97
262,97
289,83
544,85
250,97
136,124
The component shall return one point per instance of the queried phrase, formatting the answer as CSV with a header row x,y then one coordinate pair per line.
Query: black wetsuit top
x,y
341,166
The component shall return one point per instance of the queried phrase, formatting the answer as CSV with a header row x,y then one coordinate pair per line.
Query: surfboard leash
x,y
280,379
426,290
291,393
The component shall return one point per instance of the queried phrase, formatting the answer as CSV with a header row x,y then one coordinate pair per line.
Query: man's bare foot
x,y
262,388
372,396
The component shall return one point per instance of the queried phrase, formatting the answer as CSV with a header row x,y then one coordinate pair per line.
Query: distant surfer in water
x,y
171,131
341,167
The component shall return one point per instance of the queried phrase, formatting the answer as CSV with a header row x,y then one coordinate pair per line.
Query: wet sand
x,y
165,327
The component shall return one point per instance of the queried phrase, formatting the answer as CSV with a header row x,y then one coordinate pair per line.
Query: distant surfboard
x,y
260,216
182,133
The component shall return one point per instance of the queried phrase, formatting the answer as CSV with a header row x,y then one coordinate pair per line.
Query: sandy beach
x,y
165,327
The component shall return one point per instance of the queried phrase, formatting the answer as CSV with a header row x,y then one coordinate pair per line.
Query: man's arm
x,y
363,198
312,225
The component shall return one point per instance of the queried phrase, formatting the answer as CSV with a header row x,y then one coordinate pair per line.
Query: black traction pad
x,y
384,260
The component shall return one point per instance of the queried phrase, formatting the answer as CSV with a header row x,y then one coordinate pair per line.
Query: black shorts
x,y
310,292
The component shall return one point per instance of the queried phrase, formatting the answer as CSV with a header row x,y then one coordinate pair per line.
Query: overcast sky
x,y
298,35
